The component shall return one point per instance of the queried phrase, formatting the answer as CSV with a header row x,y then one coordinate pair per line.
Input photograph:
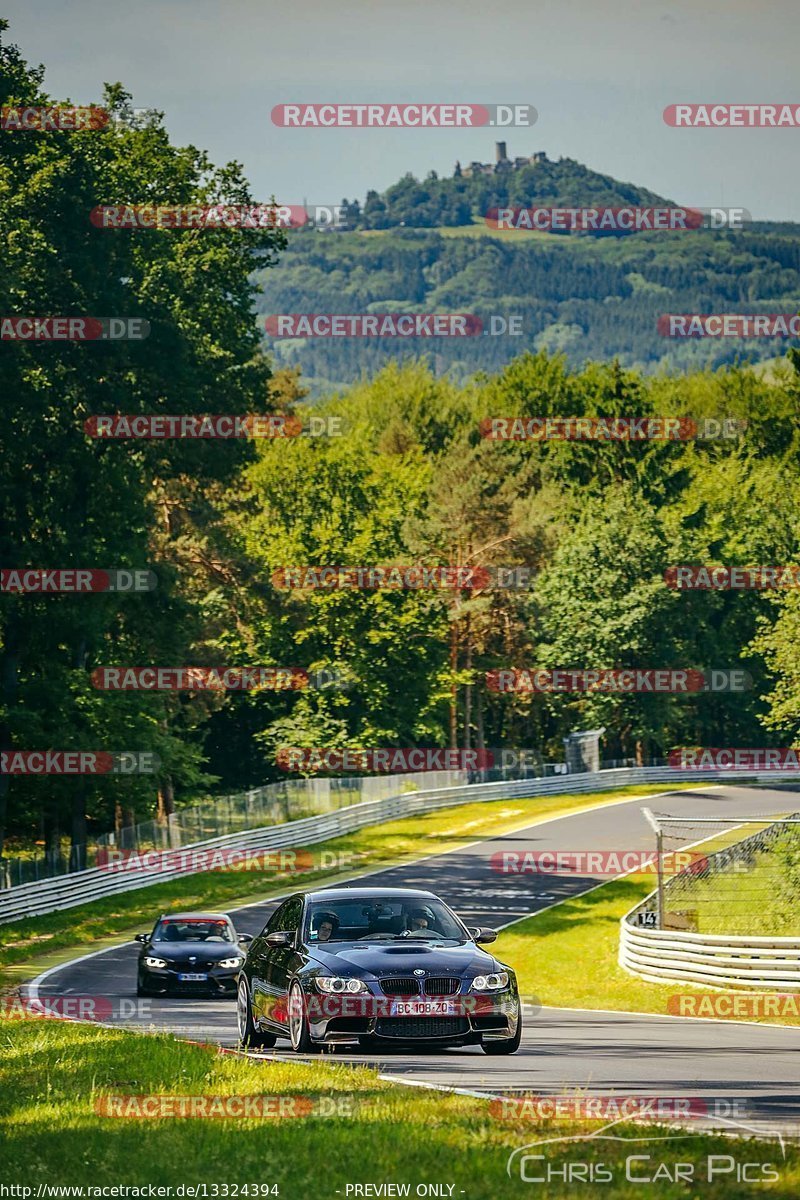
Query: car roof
x,y
361,893
194,916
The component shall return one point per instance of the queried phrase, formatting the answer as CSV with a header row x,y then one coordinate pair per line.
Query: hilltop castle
x,y
501,163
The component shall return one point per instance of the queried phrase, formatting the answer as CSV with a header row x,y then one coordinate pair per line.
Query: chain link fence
x,y
722,875
272,804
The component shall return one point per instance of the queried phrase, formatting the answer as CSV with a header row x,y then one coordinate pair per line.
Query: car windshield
x,y
193,929
382,918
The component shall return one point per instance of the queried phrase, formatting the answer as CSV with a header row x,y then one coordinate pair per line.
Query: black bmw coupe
x,y
199,953
375,966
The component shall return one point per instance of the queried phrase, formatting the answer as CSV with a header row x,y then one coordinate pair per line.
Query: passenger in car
x,y
327,924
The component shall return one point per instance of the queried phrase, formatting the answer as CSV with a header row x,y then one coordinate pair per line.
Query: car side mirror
x,y
279,938
482,936
142,937
244,938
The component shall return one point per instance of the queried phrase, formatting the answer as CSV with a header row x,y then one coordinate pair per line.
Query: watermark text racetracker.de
x,y
75,1007
628,219
392,325
260,1106
685,577
609,429
52,118
401,577
618,680
732,116
734,758
74,580
196,216
733,325
205,1190
221,216
595,862
391,760
199,679
351,999
402,116
736,1006
285,861
133,426
73,329
399,760
78,762
610,1107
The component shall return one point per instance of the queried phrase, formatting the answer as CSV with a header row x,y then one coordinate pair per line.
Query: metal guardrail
x,y
80,887
718,960
272,804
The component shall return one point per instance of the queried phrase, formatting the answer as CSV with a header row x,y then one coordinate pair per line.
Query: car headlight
x,y
230,962
335,983
490,983
154,962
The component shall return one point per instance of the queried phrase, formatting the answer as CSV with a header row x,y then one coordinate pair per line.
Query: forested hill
x,y
425,246
470,194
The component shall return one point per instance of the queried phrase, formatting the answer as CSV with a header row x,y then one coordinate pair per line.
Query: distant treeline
x,y
591,299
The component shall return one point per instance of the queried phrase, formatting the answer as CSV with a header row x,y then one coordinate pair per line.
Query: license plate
x,y
194,978
422,1008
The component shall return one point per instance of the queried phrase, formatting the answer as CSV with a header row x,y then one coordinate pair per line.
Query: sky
x,y
599,74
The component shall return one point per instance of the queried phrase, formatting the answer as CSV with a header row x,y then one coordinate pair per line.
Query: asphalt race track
x,y
755,1066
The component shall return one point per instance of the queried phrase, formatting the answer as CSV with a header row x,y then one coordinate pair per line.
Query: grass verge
x,y
54,1074
37,943
566,956
755,897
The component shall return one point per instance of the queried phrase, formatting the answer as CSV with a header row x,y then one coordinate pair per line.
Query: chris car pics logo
x,y
617,1152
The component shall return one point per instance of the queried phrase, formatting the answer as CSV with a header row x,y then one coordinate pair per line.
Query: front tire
x,y
299,1033
507,1045
249,1036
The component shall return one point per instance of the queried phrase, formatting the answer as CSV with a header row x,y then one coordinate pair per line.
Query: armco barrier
x,y
67,891
214,817
718,960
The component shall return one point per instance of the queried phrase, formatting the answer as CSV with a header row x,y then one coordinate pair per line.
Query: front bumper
x,y
219,981
469,1018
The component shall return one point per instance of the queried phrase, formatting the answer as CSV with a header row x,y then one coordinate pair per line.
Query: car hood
x,y
181,952
378,958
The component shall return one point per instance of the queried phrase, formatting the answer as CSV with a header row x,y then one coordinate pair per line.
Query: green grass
x,y
756,899
53,1074
566,956
479,228
37,943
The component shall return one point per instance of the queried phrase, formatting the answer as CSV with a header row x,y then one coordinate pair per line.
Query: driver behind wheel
x,y
326,925
421,918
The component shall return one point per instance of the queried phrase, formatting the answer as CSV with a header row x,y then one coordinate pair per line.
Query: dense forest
x,y
589,298
426,245
410,480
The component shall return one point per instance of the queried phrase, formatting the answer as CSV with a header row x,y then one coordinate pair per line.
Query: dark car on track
x,y
198,953
375,966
